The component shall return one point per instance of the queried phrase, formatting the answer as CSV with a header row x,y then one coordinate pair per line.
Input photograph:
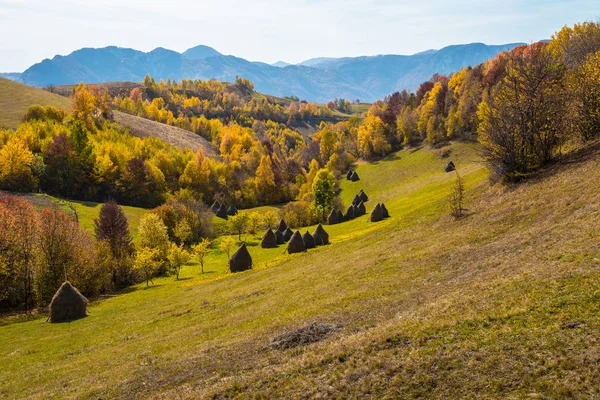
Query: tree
x,y
269,219
456,198
265,179
584,86
177,257
183,232
153,235
324,191
200,251
84,107
239,223
15,166
146,263
112,227
371,138
327,145
225,245
254,220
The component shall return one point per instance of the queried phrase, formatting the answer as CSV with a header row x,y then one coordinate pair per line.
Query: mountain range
x,y
366,78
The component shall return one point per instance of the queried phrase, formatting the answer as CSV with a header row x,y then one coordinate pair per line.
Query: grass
x,y
504,303
15,98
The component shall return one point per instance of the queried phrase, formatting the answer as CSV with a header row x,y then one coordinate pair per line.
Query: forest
x,y
524,107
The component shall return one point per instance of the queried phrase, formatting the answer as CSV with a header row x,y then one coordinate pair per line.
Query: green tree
x,y
177,257
200,251
225,245
238,223
153,235
146,263
323,191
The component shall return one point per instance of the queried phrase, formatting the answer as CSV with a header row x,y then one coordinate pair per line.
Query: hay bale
x,y
215,207
356,211
340,216
349,175
363,196
362,208
311,333
222,212
449,167
377,213
354,177
241,260
309,240
356,200
296,244
269,240
232,210
333,219
287,235
282,226
321,237
280,238
349,214
384,210
67,304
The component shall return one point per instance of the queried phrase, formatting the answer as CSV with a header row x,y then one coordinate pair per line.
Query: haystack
x,y
362,208
296,244
340,216
377,213
354,177
449,167
363,196
356,211
287,235
356,200
333,219
67,304
280,238
269,240
349,213
282,226
321,237
215,207
241,260
232,210
384,210
222,212
309,240
349,175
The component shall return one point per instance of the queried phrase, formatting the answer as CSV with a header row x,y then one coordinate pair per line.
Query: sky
x,y
273,30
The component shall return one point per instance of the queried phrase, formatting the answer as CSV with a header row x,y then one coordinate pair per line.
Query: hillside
x,y
321,80
503,303
181,138
15,98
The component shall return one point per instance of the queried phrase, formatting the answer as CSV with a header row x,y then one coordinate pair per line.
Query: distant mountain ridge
x,y
366,78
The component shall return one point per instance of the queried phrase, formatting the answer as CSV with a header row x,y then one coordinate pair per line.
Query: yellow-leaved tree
x,y
15,166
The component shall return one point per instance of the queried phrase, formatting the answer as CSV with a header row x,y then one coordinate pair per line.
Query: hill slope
x,y
503,303
321,80
15,98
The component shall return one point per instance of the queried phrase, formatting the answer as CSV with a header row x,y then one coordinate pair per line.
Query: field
x,y
503,303
15,98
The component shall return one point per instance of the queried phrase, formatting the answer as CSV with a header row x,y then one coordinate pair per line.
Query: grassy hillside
x,y
501,304
15,98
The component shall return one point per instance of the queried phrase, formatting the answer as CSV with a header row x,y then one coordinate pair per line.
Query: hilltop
x,y
423,304
321,80
15,98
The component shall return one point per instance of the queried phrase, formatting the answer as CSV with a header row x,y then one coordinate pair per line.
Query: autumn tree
x,y
265,180
371,138
153,235
200,250
323,191
15,166
238,223
146,263
177,257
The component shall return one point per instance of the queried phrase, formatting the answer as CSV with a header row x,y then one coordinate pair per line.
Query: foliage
x,y
177,257
456,197
225,245
239,223
323,192
147,263
152,234
200,250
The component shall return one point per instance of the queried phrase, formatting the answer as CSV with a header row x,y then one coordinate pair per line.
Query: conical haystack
x,y
384,211
280,238
356,211
269,240
349,175
241,260
282,226
363,196
215,207
296,244
321,237
222,212
309,240
333,219
377,213
287,235
349,213
362,208
67,304
340,216
355,177
449,167
232,210
356,200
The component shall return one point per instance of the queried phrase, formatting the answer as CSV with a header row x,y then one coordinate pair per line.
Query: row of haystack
x,y
352,176
222,211
355,210
296,241
379,213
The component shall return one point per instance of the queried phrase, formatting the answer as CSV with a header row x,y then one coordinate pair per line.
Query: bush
x,y
300,213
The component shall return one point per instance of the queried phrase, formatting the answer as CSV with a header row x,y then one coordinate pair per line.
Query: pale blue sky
x,y
272,30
